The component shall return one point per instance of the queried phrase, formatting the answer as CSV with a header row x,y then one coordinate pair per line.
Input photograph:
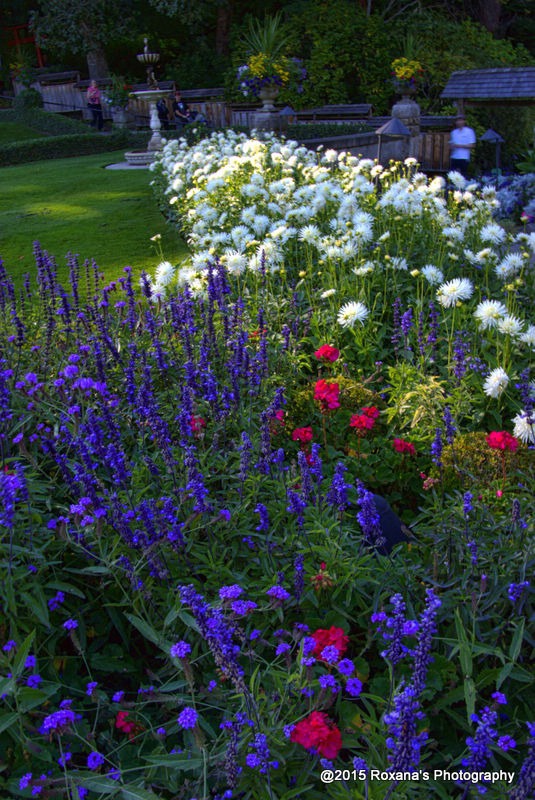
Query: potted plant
x,y
406,74
267,69
117,97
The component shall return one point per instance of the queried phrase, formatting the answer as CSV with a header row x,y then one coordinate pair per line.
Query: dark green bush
x,y
28,98
43,121
317,130
68,146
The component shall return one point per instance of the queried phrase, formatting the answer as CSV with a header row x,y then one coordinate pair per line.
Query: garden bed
x,y
206,594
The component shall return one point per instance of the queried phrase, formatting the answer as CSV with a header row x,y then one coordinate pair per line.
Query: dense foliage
x,y
198,599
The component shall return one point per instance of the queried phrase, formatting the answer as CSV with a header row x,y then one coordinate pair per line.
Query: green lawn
x,y
15,132
76,205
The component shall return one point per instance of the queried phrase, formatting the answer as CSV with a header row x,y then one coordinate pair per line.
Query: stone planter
x,y
267,95
267,117
118,117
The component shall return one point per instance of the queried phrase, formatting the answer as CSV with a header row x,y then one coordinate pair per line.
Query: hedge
x,y
69,146
44,121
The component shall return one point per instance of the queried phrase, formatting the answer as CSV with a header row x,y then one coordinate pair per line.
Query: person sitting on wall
x,y
181,111
163,113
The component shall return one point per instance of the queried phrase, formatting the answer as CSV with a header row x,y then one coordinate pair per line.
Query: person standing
x,y
462,142
163,113
95,106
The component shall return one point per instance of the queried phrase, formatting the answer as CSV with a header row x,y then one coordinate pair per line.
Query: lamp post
x,y
393,129
494,138
286,115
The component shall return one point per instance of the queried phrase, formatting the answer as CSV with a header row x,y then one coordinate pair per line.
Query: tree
x,y
82,26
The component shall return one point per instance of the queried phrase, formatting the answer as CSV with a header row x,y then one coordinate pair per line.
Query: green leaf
x,y
296,791
465,651
31,698
7,720
504,674
103,785
175,761
136,793
516,643
144,628
22,654
470,697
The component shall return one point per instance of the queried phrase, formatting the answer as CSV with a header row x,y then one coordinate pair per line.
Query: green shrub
x,y
43,121
318,130
28,98
68,146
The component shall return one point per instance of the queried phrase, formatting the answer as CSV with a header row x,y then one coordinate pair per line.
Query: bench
x,y
339,113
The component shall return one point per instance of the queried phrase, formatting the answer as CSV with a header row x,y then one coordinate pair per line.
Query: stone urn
x,y
118,116
267,95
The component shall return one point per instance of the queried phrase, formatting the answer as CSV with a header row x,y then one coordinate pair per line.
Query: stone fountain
x,y
151,94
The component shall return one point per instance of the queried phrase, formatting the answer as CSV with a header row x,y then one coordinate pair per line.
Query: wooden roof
x,y
486,85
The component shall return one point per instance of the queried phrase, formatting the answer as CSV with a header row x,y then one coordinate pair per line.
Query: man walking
x,y
462,142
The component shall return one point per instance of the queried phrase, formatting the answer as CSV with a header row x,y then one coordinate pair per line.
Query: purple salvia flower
x,y
525,784
263,524
337,494
449,427
296,505
299,576
368,517
403,741
218,633
516,590
422,653
436,448
479,744
396,325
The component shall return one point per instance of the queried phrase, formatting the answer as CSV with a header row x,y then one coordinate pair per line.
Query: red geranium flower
x,y
302,435
327,394
402,446
318,732
327,353
361,422
329,637
127,726
197,425
371,411
501,440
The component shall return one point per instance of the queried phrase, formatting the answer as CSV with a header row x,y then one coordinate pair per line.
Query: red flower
x,y
327,394
371,411
302,435
327,353
361,422
402,446
197,425
331,637
501,440
318,732
127,726
279,416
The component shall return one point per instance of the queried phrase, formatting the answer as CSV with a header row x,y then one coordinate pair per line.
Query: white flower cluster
x,y
352,229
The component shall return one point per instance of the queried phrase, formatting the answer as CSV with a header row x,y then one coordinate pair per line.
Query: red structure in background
x,y
21,34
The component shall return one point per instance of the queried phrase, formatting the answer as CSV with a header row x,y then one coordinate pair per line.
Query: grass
x,y
15,131
75,205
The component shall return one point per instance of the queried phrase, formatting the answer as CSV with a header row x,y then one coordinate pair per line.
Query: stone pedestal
x,y
408,112
267,117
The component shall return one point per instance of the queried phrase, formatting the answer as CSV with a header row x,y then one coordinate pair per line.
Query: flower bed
x,y
205,592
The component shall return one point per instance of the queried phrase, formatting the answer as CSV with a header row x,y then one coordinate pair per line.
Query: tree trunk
x,y
97,63
222,31
489,13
